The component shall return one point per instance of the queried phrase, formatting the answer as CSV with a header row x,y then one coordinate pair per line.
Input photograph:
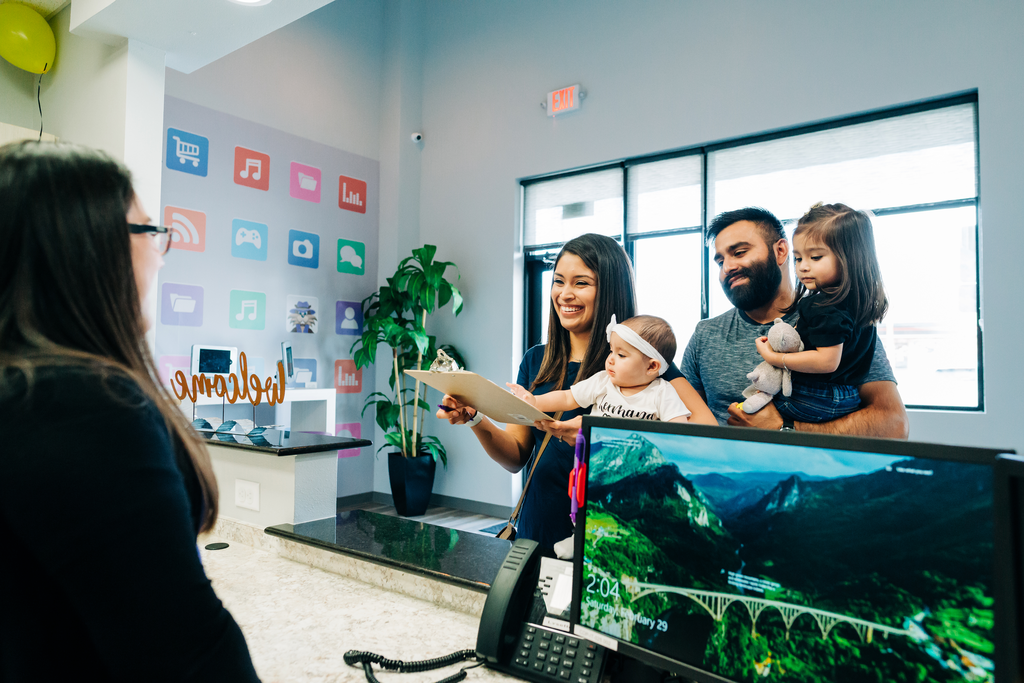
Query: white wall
x,y
667,74
318,78
85,94
18,96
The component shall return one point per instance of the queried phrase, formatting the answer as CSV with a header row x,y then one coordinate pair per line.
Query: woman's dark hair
x,y
68,297
848,233
615,294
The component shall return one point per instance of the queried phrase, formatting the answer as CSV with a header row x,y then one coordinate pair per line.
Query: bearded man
x,y
752,254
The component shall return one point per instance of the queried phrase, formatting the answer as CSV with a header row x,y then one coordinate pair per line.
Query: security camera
x,y
417,137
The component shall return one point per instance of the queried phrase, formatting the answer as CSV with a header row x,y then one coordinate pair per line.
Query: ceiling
x,y
192,33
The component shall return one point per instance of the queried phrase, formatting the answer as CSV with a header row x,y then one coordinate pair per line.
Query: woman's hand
x,y
765,349
566,431
520,392
455,412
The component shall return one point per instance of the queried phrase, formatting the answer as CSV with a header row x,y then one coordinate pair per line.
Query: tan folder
x,y
481,393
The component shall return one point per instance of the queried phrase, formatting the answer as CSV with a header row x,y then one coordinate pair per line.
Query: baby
x,y
630,385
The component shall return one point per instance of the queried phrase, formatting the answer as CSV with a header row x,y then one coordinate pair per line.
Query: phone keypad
x,y
543,655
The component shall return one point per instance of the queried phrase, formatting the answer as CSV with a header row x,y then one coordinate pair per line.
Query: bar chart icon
x,y
347,379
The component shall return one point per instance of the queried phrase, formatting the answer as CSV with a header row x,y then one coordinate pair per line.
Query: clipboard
x,y
481,393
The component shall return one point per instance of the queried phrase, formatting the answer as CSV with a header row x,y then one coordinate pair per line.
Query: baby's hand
x,y
522,393
765,349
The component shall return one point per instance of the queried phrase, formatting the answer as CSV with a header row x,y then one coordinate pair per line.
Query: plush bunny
x,y
767,380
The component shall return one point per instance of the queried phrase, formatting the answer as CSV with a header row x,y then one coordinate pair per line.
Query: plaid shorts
x,y
818,401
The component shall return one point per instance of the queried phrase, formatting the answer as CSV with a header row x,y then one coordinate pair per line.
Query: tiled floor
x,y
440,516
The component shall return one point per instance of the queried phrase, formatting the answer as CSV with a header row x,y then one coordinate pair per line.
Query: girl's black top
x,y
821,326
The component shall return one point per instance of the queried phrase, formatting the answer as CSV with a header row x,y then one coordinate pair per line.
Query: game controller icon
x,y
250,236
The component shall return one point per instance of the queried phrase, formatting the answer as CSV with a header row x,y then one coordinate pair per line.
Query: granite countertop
x,y
461,558
299,621
283,442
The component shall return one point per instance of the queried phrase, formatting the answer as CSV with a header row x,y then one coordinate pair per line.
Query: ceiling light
x,y
251,3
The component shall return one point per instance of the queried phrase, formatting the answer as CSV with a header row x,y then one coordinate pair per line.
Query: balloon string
x,y
39,101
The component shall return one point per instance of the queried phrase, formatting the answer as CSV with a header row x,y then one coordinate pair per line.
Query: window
x,y
915,168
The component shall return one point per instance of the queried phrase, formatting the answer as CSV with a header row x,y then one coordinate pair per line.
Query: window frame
x,y
540,258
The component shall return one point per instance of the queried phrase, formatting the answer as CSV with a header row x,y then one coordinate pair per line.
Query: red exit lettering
x,y
562,99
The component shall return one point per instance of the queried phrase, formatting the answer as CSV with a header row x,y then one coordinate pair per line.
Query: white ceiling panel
x,y
192,33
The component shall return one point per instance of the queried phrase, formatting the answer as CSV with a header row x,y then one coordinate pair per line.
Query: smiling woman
x,y
593,281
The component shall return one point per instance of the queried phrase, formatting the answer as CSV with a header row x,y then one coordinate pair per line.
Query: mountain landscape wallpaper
x,y
769,562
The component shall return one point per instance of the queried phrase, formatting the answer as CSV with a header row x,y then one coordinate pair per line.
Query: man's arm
x,y
881,414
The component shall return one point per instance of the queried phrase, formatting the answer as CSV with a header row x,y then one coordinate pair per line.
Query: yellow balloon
x,y
26,40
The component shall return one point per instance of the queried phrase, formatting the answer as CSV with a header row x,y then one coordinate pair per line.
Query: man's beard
x,y
763,281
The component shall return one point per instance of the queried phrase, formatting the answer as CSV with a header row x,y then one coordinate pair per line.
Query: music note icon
x,y
252,163
246,305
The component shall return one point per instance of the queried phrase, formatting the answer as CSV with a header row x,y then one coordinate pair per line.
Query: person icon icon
x,y
349,323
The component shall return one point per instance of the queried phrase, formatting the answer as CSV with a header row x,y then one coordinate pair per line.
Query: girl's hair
x,y
656,332
68,296
615,294
848,233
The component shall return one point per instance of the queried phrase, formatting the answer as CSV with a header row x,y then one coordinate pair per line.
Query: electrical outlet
x,y
247,494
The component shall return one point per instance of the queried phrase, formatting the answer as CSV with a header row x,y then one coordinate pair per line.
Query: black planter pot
x,y
411,482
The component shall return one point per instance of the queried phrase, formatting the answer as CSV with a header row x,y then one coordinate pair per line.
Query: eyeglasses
x,y
161,235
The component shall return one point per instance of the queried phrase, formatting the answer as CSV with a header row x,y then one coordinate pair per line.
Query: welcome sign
x,y
251,387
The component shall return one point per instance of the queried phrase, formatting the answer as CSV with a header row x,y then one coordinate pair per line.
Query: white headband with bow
x,y
628,335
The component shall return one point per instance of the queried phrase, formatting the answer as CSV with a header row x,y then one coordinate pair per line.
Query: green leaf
x,y
421,339
456,300
425,254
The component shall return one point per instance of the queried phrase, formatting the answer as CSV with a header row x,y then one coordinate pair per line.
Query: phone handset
x,y
510,594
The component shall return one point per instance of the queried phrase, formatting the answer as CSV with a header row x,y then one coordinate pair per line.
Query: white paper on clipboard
x,y
475,390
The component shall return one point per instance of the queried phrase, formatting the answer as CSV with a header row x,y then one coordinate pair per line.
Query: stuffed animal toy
x,y
766,379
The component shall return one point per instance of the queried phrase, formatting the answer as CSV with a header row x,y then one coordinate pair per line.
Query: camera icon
x,y
304,250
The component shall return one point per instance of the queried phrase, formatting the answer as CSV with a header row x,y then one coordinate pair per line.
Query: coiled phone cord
x,y
354,657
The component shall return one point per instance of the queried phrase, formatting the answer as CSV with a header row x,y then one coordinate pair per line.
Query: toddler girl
x,y
839,298
630,385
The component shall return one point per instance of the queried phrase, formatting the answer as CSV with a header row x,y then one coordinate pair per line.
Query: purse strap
x,y
544,444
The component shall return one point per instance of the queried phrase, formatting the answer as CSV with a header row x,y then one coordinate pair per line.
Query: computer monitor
x,y
289,362
213,360
1009,498
726,554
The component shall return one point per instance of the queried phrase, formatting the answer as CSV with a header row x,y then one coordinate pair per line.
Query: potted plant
x,y
396,316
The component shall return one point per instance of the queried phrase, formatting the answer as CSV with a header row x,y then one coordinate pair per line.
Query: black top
x,y
98,523
545,514
822,326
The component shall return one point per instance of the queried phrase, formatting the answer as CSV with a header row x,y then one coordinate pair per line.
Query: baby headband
x,y
628,335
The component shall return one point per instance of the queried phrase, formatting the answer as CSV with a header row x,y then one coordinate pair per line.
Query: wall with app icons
x,y
274,239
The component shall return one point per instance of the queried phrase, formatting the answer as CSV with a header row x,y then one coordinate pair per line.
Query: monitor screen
x,y
1009,496
741,555
214,361
288,360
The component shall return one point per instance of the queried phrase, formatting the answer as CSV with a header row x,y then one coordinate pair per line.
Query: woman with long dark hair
x,y
593,279
103,486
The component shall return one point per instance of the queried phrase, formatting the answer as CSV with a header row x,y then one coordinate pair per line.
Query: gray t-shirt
x,y
721,352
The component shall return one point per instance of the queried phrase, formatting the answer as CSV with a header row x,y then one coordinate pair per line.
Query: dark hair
x,y
615,295
67,295
770,226
848,233
656,332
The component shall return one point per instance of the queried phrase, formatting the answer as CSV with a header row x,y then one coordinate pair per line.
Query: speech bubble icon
x,y
349,255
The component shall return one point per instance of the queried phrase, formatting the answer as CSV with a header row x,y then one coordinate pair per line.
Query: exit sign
x,y
563,100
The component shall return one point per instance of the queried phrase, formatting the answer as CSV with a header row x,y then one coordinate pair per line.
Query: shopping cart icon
x,y
186,151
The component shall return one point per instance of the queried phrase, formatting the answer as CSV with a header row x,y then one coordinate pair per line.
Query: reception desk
x,y
278,477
